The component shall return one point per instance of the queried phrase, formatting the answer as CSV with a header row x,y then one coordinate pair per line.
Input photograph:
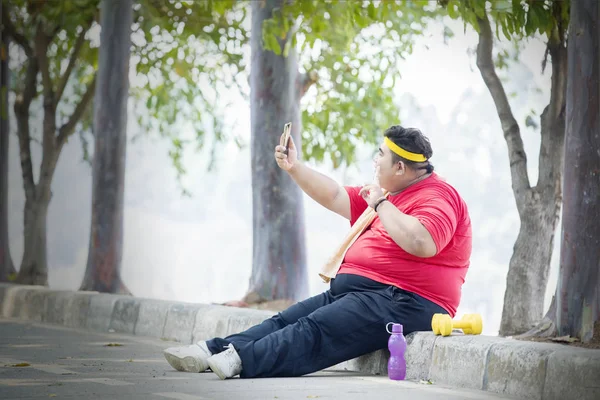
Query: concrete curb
x,y
524,370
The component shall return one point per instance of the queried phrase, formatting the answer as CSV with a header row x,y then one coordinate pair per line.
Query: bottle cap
x,y
396,328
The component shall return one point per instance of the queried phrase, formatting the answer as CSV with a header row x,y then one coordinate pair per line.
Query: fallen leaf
x,y
23,364
236,303
310,396
426,382
565,339
130,360
52,395
114,345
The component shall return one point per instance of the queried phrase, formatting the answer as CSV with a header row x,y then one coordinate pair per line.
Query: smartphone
x,y
287,131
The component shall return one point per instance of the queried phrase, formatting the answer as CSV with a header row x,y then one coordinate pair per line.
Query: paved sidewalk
x,y
66,363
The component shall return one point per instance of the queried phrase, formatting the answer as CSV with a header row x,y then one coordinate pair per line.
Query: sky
x,y
199,249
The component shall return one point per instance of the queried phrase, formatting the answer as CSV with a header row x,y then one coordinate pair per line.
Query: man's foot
x,y
190,358
226,364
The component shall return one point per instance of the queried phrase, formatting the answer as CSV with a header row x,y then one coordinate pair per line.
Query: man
x,y
407,265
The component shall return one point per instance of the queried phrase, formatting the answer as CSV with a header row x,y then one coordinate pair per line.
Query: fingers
x,y
364,191
280,153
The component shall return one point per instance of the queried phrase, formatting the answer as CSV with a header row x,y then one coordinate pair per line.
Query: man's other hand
x,y
371,193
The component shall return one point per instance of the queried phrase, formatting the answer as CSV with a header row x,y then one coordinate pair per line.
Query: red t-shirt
x,y
444,214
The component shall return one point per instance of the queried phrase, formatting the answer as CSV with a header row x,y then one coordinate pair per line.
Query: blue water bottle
x,y
397,347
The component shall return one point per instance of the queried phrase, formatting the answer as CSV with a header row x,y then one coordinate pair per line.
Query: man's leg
x,y
347,328
193,358
276,322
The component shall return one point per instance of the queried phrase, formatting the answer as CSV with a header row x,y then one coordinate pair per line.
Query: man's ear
x,y
400,168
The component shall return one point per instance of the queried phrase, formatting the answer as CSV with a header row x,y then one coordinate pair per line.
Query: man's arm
x,y
418,235
319,187
406,231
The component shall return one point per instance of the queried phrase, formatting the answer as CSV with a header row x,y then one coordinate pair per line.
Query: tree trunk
x,y
7,267
110,129
538,206
34,267
578,288
546,327
279,255
529,266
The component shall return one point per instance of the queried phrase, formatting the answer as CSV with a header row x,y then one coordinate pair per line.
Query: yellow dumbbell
x,y
442,324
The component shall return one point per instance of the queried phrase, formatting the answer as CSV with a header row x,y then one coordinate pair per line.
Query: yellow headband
x,y
403,153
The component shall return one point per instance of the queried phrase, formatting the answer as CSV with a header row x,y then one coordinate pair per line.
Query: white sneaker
x,y
190,358
226,364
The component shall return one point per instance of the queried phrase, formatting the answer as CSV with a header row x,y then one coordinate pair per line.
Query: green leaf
x,y
272,43
452,10
478,8
371,11
502,5
530,122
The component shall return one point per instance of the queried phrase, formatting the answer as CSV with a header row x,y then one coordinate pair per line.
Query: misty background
x,y
199,249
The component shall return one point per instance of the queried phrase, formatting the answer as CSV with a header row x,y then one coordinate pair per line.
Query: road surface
x,y
43,361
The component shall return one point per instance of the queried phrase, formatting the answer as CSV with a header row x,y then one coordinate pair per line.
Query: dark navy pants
x,y
345,322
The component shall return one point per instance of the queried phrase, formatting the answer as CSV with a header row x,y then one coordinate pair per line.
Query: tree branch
x,y
41,49
49,149
510,127
553,122
19,38
74,55
30,90
21,107
69,127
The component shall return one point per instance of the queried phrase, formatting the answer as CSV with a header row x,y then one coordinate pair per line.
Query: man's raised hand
x,y
286,161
